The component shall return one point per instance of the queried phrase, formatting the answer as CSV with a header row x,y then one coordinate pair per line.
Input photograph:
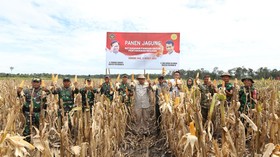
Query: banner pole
x,y
144,71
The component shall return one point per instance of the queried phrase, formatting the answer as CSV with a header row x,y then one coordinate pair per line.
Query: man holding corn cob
x,y
207,90
247,95
107,88
161,88
87,93
228,86
124,90
34,103
66,94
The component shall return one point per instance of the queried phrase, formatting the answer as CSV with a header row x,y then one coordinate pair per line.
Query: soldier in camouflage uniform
x,y
207,90
228,86
247,95
35,97
125,91
87,93
106,88
66,94
160,88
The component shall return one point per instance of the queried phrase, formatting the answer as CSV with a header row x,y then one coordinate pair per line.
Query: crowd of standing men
x,y
35,98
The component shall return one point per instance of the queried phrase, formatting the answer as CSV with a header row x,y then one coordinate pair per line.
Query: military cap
x,y
225,74
36,79
87,79
124,75
141,76
107,76
247,78
66,79
160,77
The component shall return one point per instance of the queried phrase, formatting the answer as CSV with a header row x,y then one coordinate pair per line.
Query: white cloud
x,y
68,36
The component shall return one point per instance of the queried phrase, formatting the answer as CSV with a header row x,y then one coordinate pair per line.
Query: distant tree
x,y
215,74
251,72
238,73
263,72
275,73
244,71
232,71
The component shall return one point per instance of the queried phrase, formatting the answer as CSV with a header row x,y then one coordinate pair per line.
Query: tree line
x,y
237,72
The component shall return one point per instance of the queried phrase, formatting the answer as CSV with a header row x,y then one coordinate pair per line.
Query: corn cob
x,y
21,84
118,78
43,83
192,128
76,79
132,77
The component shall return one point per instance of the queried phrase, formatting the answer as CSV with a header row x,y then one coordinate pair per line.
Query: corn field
x,y
108,131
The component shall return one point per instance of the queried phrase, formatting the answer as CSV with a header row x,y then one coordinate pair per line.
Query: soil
x,y
148,143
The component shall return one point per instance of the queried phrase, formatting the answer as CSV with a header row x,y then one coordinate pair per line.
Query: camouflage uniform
x,y
245,98
247,95
89,95
37,99
204,102
106,90
122,93
160,88
67,97
228,87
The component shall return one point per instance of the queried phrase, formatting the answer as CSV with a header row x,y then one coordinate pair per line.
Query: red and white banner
x,y
142,50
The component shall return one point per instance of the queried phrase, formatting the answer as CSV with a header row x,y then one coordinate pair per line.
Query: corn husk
x,y
251,123
56,78
21,84
100,82
53,77
118,78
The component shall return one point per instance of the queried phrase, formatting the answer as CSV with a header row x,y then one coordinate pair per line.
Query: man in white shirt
x,y
175,84
171,58
114,57
169,45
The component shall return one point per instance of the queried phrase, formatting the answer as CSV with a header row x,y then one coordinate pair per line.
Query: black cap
x,y
87,79
160,77
36,79
66,79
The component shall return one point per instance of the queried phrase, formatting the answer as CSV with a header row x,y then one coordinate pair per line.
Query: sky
x,y
69,36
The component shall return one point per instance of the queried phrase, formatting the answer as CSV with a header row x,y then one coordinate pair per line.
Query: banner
x,y
142,50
